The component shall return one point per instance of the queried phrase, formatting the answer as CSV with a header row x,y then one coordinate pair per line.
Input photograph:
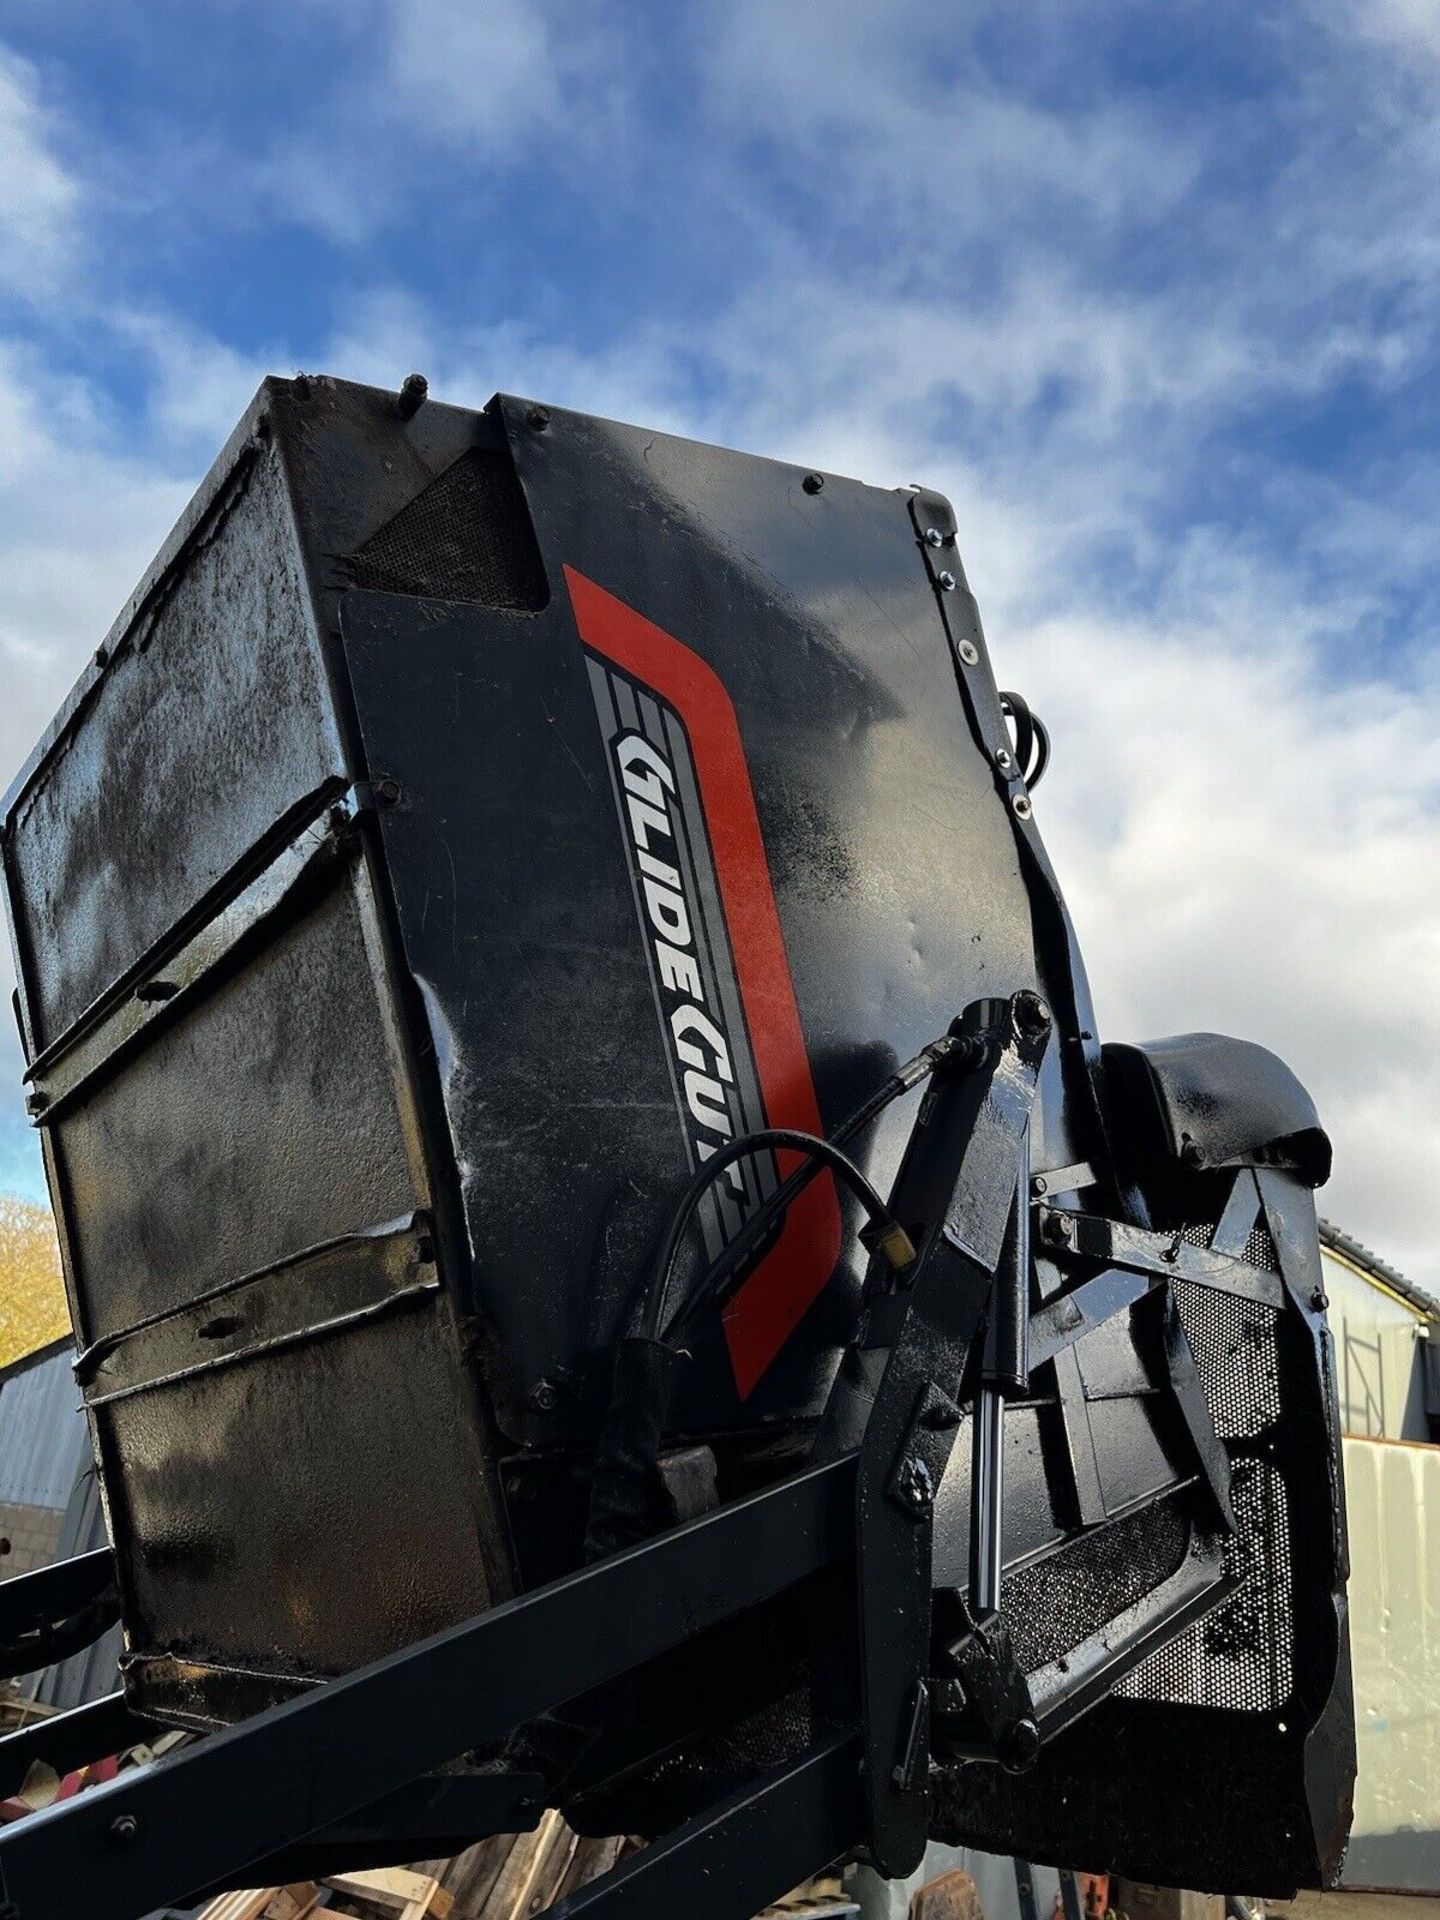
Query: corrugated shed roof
x,y
44,1441
33,1313
95,1670
1361,1256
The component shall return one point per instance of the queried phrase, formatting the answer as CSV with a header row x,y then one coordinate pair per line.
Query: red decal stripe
x,y
768,1307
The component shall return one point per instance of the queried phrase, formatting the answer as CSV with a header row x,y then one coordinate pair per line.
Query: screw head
x,y
969,653
1004,759
1039,1186
538,418
1319,1300
934,537
124,1829
1022,806
544,1396
1032,1016
1057,1230
387,790
946,581
813,482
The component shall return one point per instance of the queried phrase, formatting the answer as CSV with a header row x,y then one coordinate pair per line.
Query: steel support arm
x,y
199,1817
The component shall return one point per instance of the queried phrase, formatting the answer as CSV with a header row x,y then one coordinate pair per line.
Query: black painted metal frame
x,y
380,1765
345,1766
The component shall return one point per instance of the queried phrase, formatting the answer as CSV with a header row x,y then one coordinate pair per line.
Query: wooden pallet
x,y
396,1893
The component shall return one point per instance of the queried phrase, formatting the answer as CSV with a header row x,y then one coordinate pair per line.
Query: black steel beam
x,y
199,1816
743,1853
431,1819
54,1593
1087,1236
69,1740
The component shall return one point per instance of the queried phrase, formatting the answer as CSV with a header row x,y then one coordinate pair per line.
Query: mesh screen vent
x,y
1258,1251
1233,1341
1238,1657
1055,1604
467,536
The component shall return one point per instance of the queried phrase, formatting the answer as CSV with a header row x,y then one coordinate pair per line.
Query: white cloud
x,y
80,517
196,387
865,96
1252,846
478,75
1411,26
39,200
426,86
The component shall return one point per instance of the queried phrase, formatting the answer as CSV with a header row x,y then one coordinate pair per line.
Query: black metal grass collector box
x,y
472,820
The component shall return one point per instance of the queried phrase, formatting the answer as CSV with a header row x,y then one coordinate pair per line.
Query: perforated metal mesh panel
x,y
466,537
1233,1341
1259,1248
1238,1657
1054,1604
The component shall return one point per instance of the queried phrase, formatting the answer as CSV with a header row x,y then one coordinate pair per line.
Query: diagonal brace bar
x,y
156,1835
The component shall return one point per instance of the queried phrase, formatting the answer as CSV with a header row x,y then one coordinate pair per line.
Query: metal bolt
x,y
544,1396
1039,1186
1022,806
946,581
1032,1016
538,418
1020,1746
813,482
124,1829
969,653
940,1418
1057,1230
1318,1300
1004,759
934,537
387,790
915,1485
414,391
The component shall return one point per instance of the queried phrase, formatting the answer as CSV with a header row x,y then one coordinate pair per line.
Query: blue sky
x,y
1150,291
